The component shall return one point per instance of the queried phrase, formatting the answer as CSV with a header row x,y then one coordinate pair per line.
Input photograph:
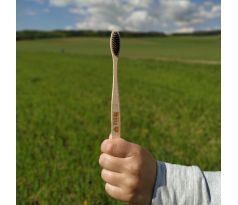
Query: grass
x,y
63,110
197,48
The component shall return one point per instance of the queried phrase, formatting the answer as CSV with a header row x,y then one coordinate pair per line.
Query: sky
x,y
167,16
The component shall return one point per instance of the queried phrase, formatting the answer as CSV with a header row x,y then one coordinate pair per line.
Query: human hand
x,y
128,170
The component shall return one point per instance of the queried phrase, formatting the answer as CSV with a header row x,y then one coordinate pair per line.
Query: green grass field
x,y
170,104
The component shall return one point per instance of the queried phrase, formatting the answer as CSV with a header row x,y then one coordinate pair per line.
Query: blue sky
x,y
135,15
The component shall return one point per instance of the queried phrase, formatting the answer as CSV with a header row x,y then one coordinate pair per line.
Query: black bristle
x,y
116,43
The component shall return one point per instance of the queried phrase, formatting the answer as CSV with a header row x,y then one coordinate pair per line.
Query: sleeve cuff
x,y
160,177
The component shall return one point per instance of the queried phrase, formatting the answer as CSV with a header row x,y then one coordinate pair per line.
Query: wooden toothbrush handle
x,y
115,103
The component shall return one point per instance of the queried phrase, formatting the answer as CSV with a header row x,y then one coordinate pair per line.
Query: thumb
x,y
118,147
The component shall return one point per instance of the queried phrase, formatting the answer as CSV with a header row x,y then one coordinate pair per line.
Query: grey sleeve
x,y
185,185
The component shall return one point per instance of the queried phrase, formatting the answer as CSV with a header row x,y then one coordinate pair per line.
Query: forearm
x,y
177,184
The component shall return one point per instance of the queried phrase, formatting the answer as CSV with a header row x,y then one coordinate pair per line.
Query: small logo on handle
x,y
116,121
116,129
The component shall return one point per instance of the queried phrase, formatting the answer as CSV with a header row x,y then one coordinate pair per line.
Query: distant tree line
x,y
199,33
33,34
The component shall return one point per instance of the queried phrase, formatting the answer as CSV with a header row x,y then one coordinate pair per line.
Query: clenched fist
x,y
128,170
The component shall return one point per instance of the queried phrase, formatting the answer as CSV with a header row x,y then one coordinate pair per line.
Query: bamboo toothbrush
x,y
115,103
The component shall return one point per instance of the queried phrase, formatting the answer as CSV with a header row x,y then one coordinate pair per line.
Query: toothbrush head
x,y
115,43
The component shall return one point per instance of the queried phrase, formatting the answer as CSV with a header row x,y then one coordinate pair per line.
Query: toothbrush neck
x,y
115,62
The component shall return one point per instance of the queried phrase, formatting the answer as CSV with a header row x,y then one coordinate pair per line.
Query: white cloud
x,y
137,15
67,28
185,30
46,10
38,1
29,12
60,3
33,12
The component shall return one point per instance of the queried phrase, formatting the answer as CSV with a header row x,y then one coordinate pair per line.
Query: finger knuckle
x,y
102,160
106,175
134,168
109,191
106,188
103,174
133,185
131,198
